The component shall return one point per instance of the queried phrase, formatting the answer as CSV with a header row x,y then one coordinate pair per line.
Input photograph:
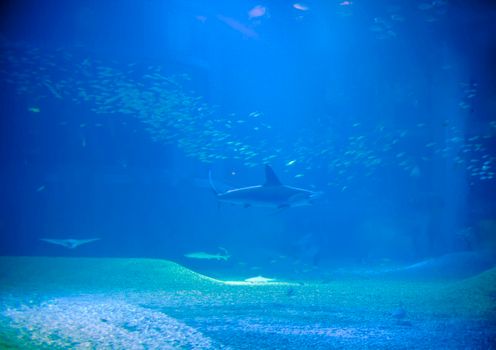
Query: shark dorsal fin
x,y
270,177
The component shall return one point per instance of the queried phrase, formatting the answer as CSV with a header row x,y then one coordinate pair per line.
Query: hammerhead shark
x,y
69,243
272,194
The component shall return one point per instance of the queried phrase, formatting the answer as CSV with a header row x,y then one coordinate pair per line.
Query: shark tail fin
x,y
211,182
271,177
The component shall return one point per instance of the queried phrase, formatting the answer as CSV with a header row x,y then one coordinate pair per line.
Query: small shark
x,y
272,194
69,243
208,256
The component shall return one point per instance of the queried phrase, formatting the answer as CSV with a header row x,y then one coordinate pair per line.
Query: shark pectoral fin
x,y
246,205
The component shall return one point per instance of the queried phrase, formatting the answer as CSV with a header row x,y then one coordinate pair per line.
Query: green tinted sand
x,y
91,274
156,304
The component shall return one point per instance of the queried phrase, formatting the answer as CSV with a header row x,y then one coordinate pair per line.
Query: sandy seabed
x,y
92,303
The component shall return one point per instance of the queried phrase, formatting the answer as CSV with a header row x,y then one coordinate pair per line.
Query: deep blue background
x,y
315,70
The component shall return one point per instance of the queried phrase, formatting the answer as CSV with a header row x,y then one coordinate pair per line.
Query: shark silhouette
x,y
272,194
208,256
69,243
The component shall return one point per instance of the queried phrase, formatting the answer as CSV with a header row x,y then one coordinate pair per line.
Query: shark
x,y
272,194
208,256
69,243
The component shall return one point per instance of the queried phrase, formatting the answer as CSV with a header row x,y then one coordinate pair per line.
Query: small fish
x,y
41,188
415,172
34,109
300,6
257,11
52,89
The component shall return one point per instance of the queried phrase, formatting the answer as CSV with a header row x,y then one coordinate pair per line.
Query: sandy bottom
x,y
69,303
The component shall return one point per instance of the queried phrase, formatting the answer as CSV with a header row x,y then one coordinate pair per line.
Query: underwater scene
x,y
221,174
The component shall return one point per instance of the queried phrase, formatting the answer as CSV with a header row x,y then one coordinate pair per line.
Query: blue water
x,y
113,114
